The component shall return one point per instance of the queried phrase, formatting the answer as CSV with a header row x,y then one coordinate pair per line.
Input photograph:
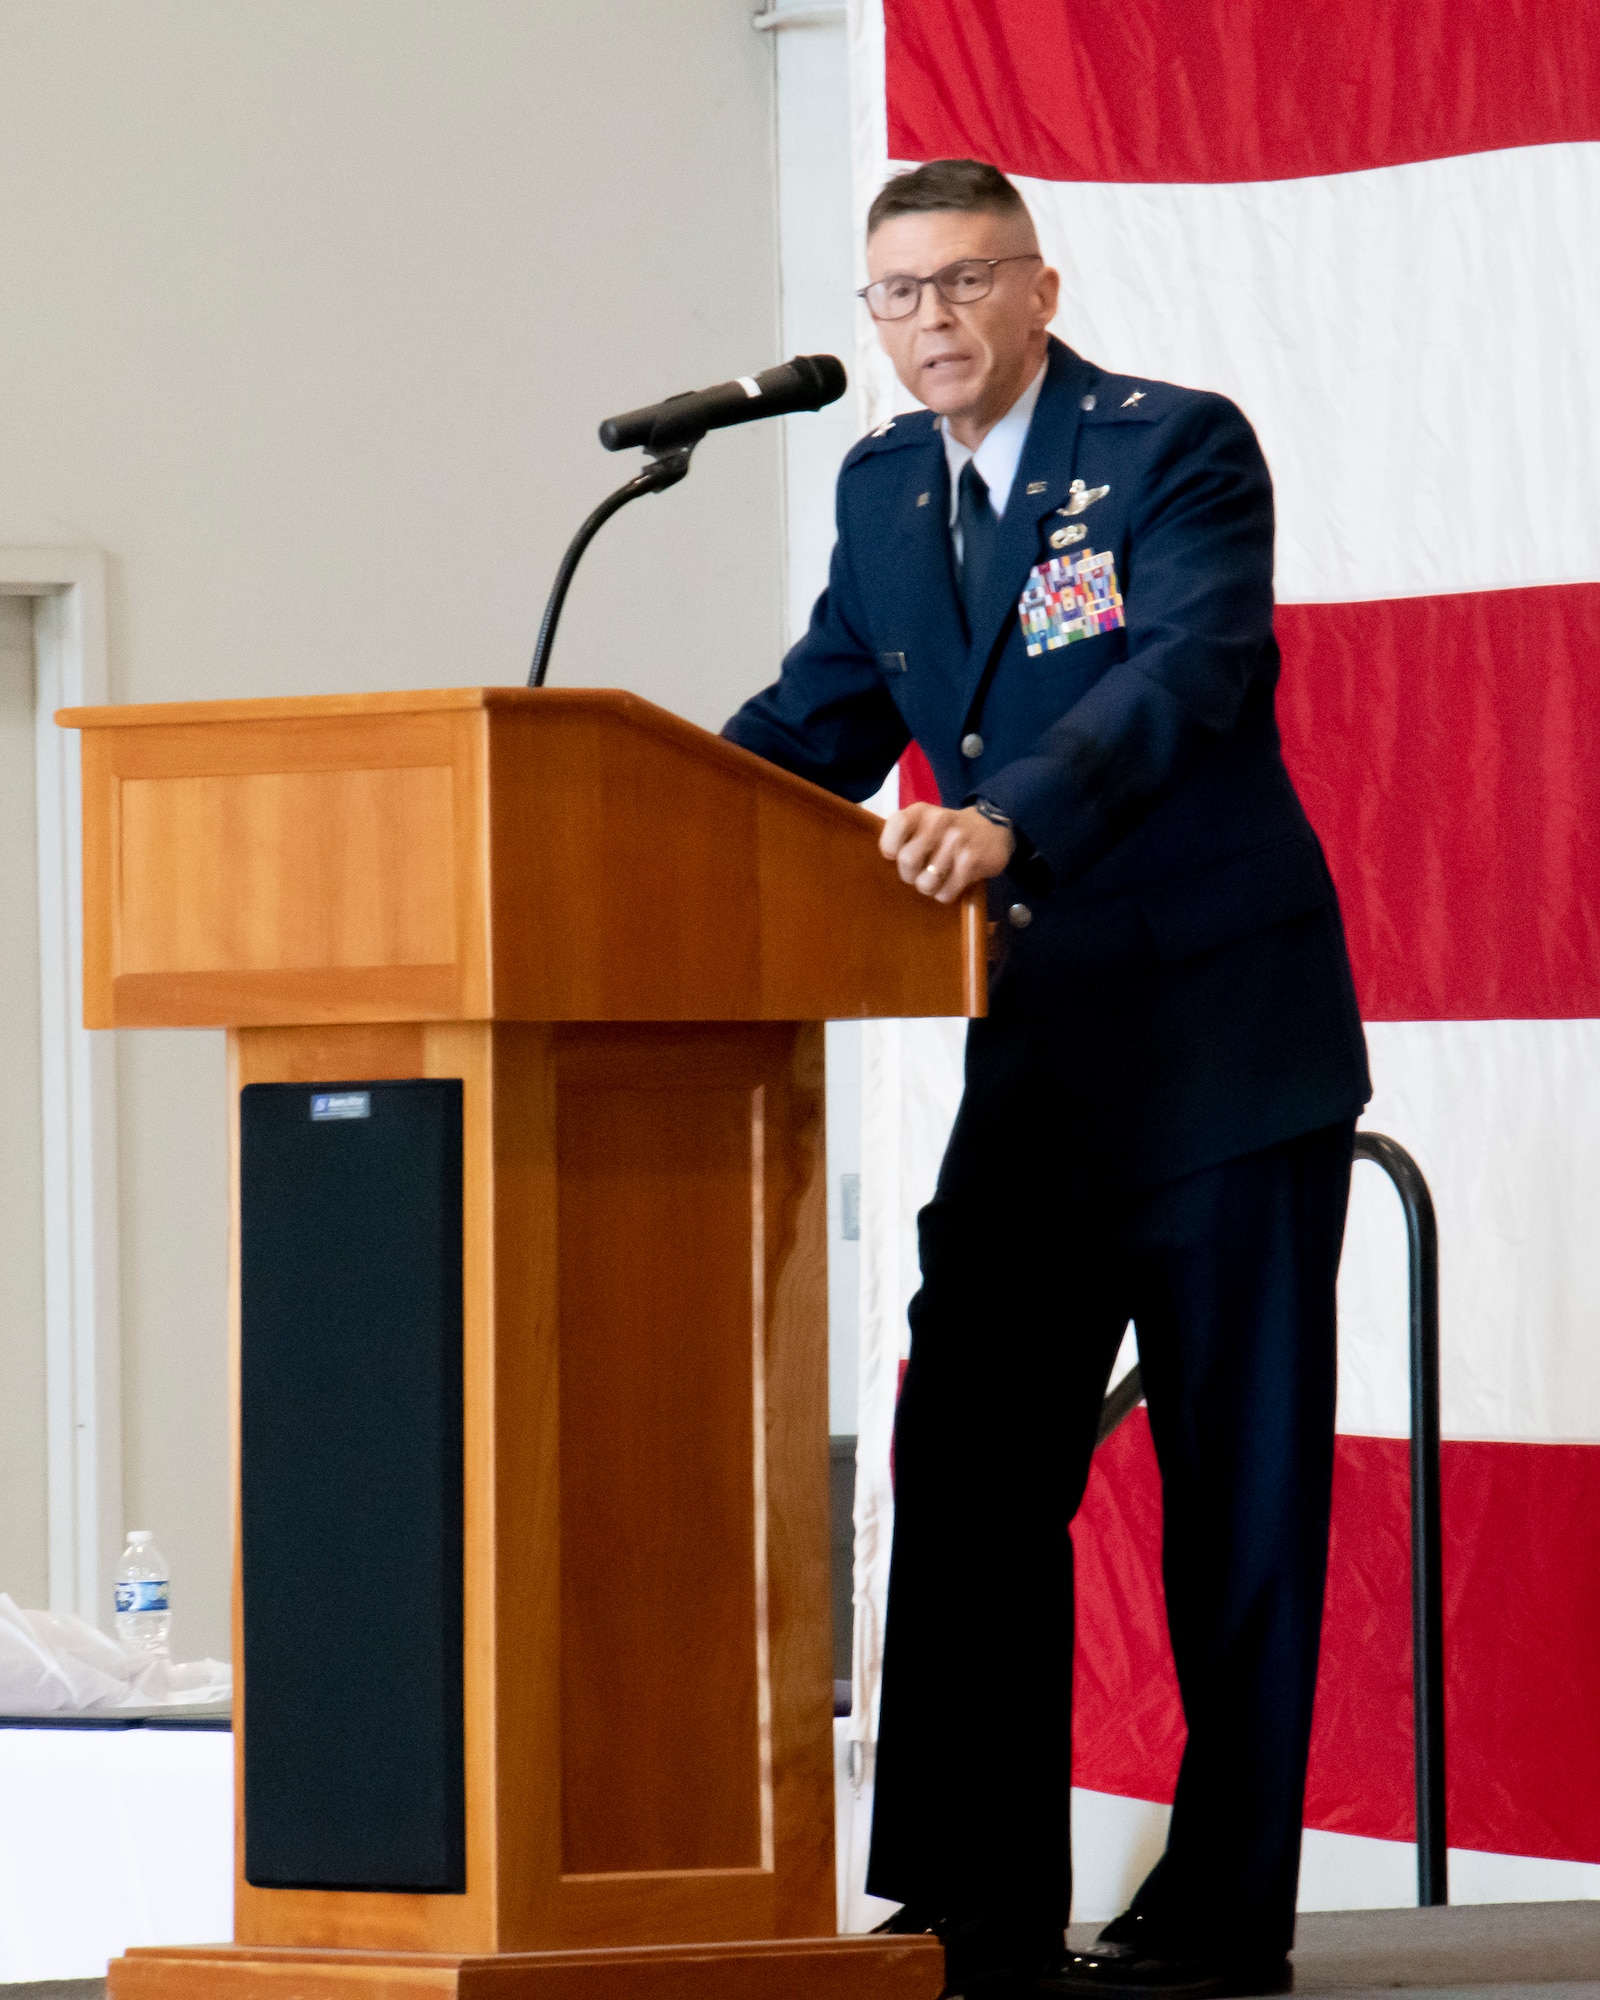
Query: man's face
x,y
966,362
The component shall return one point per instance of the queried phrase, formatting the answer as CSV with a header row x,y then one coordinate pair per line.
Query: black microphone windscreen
x,y
809,382
826,372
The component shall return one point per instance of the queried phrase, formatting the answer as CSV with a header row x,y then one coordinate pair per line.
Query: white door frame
x,y
83,1371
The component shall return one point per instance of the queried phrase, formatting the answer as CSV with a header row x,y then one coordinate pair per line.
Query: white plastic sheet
x,y
54,1664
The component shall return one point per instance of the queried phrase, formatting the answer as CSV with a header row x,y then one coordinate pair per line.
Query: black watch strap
x,y
1027,868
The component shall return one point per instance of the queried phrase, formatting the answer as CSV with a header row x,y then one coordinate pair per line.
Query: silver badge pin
x,y
1129,401
1063,538
1080,496
1036,485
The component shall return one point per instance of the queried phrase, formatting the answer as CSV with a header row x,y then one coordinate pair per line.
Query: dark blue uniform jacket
x,y
1183,961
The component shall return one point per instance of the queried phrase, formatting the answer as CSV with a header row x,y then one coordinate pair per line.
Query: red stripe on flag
x,y
918,785
1522,1638
1237,90
1448,752
1127,1719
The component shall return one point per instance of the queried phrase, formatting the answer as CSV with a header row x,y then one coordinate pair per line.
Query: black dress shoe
x,y
1144,1972
1133,1927
985,1957
993,1957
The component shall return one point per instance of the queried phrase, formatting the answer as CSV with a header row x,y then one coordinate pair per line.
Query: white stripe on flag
x,y
1503,1118
1418,348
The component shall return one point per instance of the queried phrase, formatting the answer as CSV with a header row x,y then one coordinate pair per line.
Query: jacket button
x,y
972,745
1019,916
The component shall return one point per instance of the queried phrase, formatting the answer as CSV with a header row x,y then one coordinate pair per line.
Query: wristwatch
x,y
1026,867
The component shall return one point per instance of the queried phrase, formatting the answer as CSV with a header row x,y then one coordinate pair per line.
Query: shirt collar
x,y
1000,453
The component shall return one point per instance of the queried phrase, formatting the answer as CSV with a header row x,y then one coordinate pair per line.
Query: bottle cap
x,y
139,1536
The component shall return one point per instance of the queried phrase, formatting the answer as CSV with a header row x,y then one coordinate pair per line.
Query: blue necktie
x,y
979,532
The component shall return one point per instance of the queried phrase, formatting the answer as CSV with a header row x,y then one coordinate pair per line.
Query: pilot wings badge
x,y
1080,496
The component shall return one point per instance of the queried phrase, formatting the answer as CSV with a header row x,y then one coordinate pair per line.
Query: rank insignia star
x,y
1129,401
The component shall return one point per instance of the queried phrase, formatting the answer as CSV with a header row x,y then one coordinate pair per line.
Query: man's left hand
x,y
941,852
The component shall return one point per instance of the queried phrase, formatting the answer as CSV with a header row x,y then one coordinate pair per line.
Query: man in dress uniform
x,y
1058,582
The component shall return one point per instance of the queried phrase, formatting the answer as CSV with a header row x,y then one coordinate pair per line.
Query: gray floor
x,y
1473,1948
55,1989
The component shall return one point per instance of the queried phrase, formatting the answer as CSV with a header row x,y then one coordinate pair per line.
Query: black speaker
x,y
351,1485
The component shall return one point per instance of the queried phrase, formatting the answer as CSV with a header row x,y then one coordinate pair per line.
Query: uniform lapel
x,y
923,580
1046,466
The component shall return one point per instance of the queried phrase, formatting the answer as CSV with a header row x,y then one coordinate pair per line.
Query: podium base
x,y
837,1968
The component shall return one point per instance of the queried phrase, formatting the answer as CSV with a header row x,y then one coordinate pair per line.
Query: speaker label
x,y
340,1104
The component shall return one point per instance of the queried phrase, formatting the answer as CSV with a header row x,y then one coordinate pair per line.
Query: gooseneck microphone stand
x,y
663,470
669,431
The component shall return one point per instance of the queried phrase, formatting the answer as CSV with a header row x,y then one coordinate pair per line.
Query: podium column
x,y
647,1689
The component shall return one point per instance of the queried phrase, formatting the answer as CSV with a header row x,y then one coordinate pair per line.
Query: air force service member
x,y
1058,581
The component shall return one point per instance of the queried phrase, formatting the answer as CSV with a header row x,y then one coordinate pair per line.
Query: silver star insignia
x,y
1129,401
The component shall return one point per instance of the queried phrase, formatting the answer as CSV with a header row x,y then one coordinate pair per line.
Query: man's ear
x,y
1047,292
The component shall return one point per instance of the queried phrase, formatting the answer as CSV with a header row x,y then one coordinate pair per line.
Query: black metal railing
x,y
1427,1588
1427,1584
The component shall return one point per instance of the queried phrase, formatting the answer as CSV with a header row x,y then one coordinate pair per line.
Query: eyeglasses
x,y
962,283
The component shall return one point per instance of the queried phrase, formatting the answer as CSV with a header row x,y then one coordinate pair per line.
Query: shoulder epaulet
x,y
916,427
1127,399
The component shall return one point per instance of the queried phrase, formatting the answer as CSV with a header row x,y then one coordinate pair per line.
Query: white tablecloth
x,y
110,1838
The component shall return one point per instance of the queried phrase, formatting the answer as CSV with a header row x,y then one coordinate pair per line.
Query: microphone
x,y
809,382
669,432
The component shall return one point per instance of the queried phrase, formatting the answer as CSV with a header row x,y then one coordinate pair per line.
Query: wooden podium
x,y
622,936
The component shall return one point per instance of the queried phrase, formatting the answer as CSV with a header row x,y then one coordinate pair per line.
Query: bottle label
x,y
149,1594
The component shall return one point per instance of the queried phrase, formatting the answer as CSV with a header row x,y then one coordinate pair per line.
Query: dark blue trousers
x,y
1032,1267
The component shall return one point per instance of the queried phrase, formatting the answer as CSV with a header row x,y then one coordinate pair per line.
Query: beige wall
x,y
308,310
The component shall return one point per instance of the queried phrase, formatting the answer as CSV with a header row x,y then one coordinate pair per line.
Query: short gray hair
x,y
970,187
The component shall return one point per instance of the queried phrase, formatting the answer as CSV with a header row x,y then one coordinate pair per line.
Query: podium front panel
x,y
663,1618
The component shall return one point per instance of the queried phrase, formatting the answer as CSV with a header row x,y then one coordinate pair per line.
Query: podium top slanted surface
x,y
485,854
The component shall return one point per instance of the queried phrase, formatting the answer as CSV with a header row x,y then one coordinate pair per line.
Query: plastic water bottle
x,y
144,1618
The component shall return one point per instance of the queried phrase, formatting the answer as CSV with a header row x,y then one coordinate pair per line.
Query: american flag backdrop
x,y
1377,229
